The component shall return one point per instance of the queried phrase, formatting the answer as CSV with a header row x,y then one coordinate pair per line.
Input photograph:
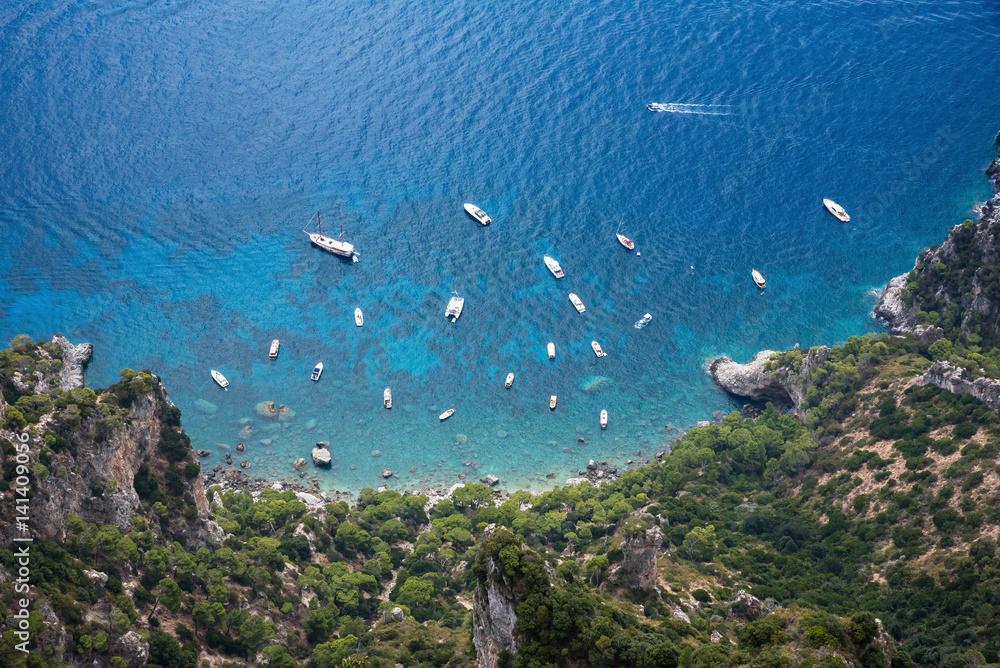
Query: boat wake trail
x,y
681,108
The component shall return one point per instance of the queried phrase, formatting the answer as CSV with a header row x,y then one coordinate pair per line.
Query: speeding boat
x,y
478,214
329,244
604,419
447,414
642,322
657,106
623,240
553,266
577,303
317,371
758,279
551,348
836,210
552,402
387,398
509,381
273,353
220,379
597,349
359,318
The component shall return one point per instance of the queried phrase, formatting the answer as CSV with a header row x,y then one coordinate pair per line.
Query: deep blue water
x,y
161,158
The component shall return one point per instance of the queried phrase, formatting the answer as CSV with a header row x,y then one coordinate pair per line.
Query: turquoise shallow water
x,y
161,159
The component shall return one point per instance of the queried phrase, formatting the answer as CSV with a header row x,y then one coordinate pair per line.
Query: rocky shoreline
x,y
787,388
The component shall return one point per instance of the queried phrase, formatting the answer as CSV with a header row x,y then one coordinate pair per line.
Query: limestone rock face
x,y
493,614
75,359
638,568
784,387
949,377
891,308
132,648
70,486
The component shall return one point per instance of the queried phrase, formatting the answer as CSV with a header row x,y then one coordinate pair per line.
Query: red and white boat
x,y
623,240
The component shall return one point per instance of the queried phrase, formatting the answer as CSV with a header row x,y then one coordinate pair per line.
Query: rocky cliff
x,y
87,448
949,377
501,583
638,567
786,387
955,284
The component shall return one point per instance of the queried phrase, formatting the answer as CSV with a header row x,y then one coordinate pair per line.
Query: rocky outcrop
x,y
74,362
747,606
786,387
321,456
638,567
956,272
494,613
95,480
952,378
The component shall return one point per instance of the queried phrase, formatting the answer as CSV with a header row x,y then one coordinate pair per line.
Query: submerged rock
x,y
266,409
386,473
240,447
285,413
594,384
299,463
205,407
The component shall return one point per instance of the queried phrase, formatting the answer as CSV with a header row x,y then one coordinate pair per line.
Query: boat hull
x,y
317,371
837,210
551,349
359,318
509,381
341,248
625,241
597,349
552,402
387,398
577,303
604,419
273,352
447,414
553,266
220,379
477,214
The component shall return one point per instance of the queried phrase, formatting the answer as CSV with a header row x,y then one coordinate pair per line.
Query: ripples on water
x,y
162,157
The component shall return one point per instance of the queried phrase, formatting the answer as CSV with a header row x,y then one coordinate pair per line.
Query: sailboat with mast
x,y
622,239
329,244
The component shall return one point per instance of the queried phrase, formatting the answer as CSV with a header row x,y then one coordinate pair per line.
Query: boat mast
x,y
319,221
341,232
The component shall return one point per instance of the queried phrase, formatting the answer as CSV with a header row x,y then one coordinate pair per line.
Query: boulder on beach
x,y
321,456
206,407
266,409
203,453
490,479
245,464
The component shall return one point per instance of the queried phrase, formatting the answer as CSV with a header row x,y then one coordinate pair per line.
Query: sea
x,y
161,159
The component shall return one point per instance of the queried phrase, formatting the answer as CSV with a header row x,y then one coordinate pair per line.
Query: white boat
x,y
657,106
552,350
577,303
604,419
477,213
447,414
359,317
387,398
597,349
552,402
219,378
317,371
642,322
510,380
836,210
553,266
329,244
454,308
758,279
273,353
622,239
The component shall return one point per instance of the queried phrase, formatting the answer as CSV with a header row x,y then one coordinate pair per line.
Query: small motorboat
x,y
359,317
447,414
317,371
623,240
510,380
219,378
642,322
597,349
552,350
454,308
553,266
577,303
758,279
552,402
836,210
387,398
604,419
478,214
657,106
273,353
